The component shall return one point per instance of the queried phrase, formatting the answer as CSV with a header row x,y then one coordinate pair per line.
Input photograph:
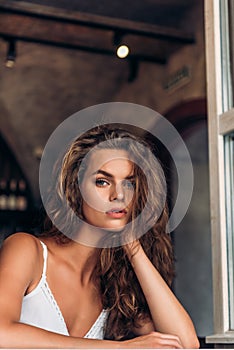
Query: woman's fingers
x,y
167,340
156,340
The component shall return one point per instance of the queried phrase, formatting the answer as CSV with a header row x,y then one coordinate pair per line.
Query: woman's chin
x,y
114,229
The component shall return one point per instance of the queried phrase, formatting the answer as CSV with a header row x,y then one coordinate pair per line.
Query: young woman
x,y
58,291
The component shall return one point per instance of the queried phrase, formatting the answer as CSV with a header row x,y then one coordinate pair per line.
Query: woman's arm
x,y
20,270
167,313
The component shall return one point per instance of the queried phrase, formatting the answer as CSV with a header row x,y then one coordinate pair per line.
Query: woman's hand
x,y
154,340
132,248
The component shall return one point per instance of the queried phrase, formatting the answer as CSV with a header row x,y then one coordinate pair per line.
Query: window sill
x,y
222,338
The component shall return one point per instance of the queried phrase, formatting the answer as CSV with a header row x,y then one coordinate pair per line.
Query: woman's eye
x,y
101,182
129,185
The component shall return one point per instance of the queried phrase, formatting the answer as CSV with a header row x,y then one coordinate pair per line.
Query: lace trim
x,y
97,329
55,305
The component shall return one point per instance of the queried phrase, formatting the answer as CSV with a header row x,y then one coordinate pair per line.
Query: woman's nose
x,y
117,193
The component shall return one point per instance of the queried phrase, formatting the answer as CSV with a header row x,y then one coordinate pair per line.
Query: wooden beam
x,y
92,20
21,27
95,50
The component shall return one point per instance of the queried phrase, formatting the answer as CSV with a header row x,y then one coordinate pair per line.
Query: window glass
x,y
229,177
231,39
226,22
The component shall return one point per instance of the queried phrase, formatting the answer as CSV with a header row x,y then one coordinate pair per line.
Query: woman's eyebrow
x,y
105,173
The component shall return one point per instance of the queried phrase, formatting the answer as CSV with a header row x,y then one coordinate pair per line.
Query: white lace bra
x,y
40,309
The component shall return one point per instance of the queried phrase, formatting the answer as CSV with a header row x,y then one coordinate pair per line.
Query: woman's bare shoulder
x,y
21,238
21,260
23,244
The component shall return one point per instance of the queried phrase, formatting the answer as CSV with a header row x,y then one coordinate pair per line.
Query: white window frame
x,y
219,124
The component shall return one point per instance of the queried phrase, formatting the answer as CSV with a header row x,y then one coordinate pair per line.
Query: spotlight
x,y
122,51
11,54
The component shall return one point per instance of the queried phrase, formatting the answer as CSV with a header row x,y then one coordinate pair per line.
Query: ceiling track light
x,y
122,50
11,53
133,69
117,37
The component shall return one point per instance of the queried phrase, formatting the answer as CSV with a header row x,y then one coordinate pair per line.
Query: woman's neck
x,y
84,260
80,258
89,236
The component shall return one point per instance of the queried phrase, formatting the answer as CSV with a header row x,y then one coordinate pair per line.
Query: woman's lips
x,y
116,213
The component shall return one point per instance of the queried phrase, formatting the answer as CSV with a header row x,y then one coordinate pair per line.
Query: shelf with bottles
x,y
13,195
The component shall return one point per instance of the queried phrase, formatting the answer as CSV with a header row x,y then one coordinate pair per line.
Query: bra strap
x,y
45,255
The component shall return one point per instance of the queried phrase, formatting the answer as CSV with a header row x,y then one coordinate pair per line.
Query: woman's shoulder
x,y
21,260
22,238
21,244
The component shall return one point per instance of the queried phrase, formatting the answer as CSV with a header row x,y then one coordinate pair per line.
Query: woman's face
x,y
108,188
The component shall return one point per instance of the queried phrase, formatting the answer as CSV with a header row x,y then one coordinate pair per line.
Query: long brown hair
x,y
120,289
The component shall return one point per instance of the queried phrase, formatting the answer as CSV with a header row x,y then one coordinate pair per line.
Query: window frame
x,y
220,123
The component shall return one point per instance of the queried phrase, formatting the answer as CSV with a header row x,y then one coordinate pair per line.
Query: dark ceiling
x,y
161,12
153,29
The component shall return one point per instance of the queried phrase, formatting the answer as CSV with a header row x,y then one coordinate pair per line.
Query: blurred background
x,y
58,57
